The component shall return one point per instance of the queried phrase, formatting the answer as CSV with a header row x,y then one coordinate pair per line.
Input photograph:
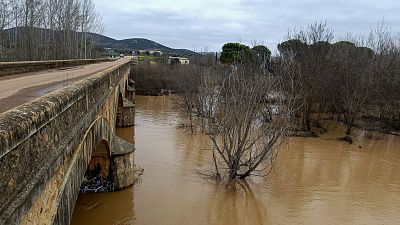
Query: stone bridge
x,y
49,144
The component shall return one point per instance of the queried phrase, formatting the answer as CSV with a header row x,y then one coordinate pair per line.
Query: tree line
x,y
355,79
351,80
48,29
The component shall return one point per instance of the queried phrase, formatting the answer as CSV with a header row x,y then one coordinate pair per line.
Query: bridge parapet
x,y
9,68
40,139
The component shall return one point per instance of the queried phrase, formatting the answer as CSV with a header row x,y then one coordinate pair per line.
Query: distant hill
x,y
133,44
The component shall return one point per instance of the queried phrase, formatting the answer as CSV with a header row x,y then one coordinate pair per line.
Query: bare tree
x,y
90,22
312,45
48,29
245,115
187,84
5,13
384,101
351,79
5,20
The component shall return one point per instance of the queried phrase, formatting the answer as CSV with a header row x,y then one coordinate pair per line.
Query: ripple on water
x,y
315,181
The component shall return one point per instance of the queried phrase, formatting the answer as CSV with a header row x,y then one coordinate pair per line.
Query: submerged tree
x,y
250,120
245,113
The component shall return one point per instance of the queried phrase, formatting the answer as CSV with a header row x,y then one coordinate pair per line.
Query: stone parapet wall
x,y
10,68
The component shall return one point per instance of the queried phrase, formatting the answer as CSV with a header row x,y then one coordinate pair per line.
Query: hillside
x,y
133,44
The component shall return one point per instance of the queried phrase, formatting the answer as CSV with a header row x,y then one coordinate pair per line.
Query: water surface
x,y
314,181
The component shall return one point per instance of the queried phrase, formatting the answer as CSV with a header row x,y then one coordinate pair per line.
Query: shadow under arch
x,y
120,107
99,164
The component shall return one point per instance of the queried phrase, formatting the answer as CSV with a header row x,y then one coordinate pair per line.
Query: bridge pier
x,y
126,113
126,106
123,164
130,92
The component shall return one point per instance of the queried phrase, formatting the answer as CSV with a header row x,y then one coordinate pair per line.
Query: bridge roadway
x,y
18,89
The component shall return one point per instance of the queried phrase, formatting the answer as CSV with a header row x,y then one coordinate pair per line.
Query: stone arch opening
x,y
98,176
120,108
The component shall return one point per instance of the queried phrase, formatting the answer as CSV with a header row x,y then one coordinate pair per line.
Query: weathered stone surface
x,y
9,68
46,146
126,114
123,164
130,93
123,170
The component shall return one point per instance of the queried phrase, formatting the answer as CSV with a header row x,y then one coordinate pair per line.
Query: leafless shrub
x,y
153,79
245,113
353,78
196,86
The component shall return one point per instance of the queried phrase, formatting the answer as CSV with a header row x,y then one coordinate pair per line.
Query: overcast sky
x,y
208,24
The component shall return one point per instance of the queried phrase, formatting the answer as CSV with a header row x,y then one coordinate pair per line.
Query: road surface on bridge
x,y
18,89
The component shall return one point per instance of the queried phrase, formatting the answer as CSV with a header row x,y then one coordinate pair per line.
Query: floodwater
x,y
314,181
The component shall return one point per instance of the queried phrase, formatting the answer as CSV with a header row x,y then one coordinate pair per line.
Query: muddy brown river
x,y
314,181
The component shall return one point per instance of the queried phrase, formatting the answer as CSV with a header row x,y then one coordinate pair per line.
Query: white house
x,y
182,60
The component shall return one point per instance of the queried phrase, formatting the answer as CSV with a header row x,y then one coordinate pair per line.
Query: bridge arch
x,y
68,177
100,131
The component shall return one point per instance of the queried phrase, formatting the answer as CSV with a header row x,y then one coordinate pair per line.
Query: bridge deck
x,y
18,89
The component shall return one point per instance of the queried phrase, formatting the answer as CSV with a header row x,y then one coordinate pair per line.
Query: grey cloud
x,y
260,20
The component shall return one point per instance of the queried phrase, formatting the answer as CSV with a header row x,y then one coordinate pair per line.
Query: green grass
x,y
147,58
